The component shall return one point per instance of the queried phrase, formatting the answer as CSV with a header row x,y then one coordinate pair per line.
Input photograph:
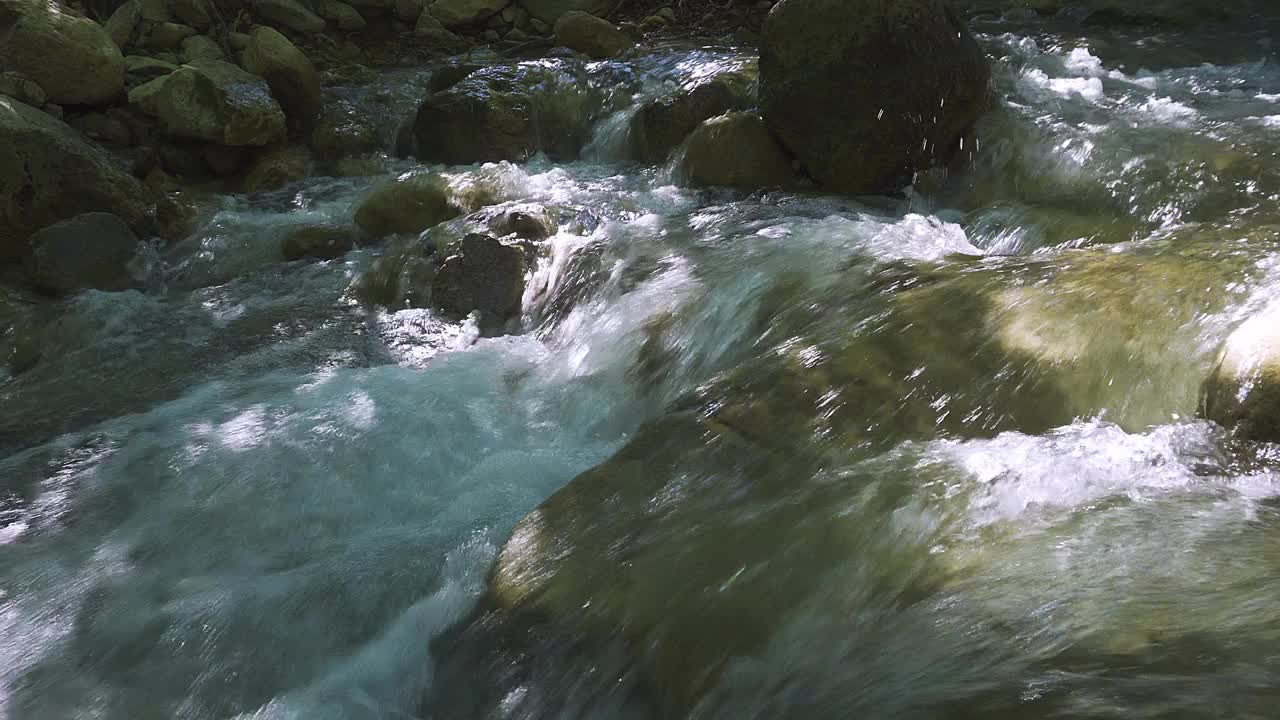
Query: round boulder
x,y
74,59
1243,393
213,100
591,36
291,76
866,92
661,124
736,150
87,252
406,206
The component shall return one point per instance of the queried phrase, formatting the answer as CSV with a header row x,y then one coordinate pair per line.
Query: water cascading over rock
x,y
867,92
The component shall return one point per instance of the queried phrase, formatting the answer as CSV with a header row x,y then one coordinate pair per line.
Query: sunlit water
x,y
241,494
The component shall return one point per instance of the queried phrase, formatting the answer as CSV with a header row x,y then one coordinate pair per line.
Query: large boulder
x,y
456,13
591,36
215,101
405,206
736,150
123,22
342,15
91,251
866,92
277,167
293,79
343,130
507,113
288,14
49,173
1243,392
549,11
661,124
74,59
485,275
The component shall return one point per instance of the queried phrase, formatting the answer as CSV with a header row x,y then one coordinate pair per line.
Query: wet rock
x,y
549,11
343,131
446,76
507,113
736,150
595,37
321,242
369,166
406,206
214,101
91,251
866,92
168,37
662,124
401,278
276,168
457,13
431,29
485,276
123,23
72,58
288,14
291,76
23,89
1243,392
342,15
201,47
524,222
48,172
20,330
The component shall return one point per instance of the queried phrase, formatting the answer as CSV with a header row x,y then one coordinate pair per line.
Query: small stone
x,y
456,13
539,27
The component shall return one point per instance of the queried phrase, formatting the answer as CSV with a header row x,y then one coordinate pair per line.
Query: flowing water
x,y
243,495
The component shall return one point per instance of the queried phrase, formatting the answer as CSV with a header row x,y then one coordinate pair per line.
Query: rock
x,y
515,16
359,167
322,242
201,47
430,28
192,12
410,10
736,150
549,11
144,69
866,92
91,251
224,161
72,58
288,14
291,76
182,159
517,35
539,27
457,13
23,89
103,128
491,36
406,206
123,23
20,330
155,11
276,168
446,76
524,222
1243,392
344,131
590,35
662,124
49,173
168,36
342,15
486,276
238,41
214,101
507,113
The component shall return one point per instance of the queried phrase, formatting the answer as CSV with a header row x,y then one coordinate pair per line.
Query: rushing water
x,y
243,495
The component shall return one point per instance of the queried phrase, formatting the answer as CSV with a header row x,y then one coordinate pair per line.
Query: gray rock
x,y
736,150
549,11
91,251
142,68
290,74
123,23
168,37
214,101
867,92
457,13
343,131
406,206
1243,392
486,276
276,168
592,36
321,242
201,47
192,12
288,14
72,58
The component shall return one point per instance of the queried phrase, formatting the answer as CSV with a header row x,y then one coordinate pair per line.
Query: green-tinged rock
x,y
201,47
662,124
486,276
1243,391
457,13
91,251
595,37
432,30
49,173
192,12
406,206
277,167
72,58
507,113
23,89
214,101
20,329
123,23
549,11
320,242
343,16
293,79
288,14
343,131
143,69
866,92
168,37
736,150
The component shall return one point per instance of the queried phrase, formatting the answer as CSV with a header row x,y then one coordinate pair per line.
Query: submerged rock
x,y
87,252
322,242
661,124
1243,392
49,173
866,92
590,35
736,150
406,206
214,101
507,113
72,58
